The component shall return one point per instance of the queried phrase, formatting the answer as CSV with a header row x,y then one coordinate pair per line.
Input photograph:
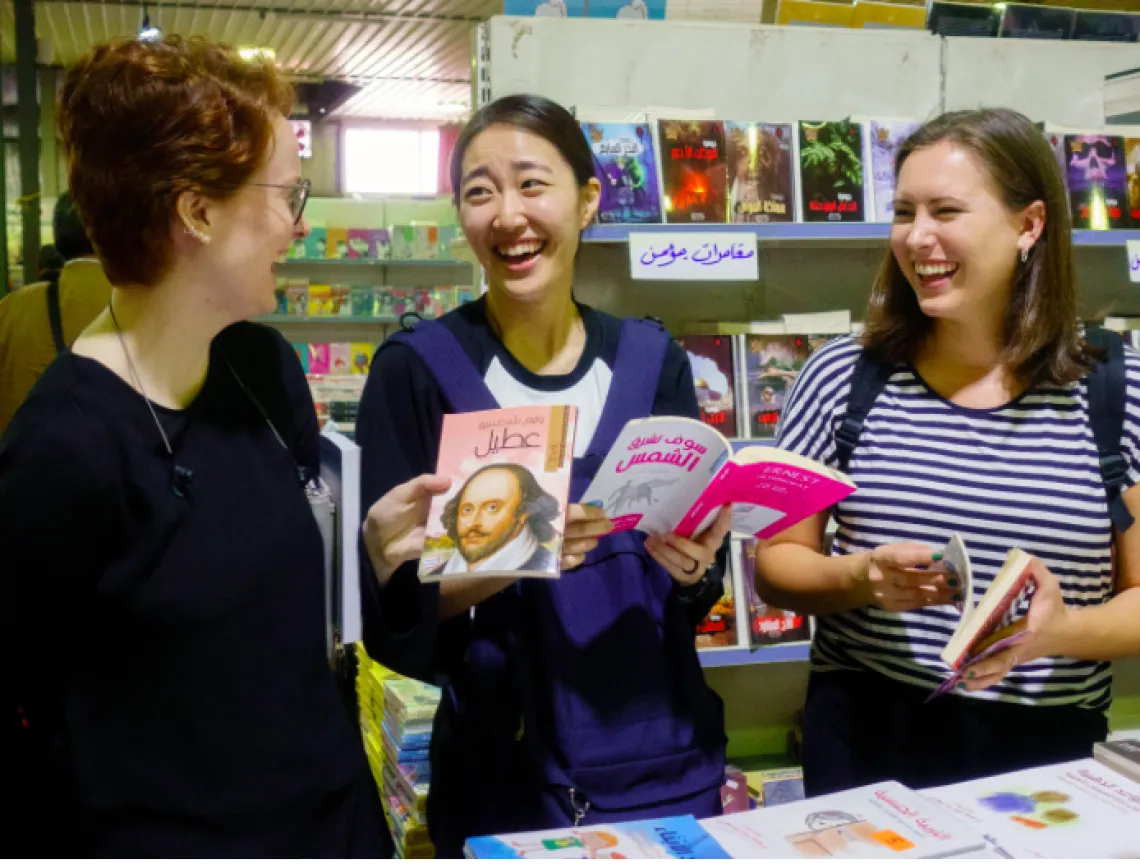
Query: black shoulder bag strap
x,y
1107,388
55,317
867,382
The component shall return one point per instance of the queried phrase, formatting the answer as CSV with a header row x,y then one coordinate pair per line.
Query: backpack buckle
x,y
847,435
1113,469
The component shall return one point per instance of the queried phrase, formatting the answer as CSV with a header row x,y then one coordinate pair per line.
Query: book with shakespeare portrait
x,y
505,513
675,474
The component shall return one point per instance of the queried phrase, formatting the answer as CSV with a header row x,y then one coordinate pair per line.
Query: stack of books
x,y
409,709
370,680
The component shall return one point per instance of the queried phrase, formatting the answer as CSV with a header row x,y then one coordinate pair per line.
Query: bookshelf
x,y
393,273
713,658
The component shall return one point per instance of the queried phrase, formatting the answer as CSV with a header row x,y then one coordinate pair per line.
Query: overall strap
x,y
462,385
55,316
867,382
1107,392
633,387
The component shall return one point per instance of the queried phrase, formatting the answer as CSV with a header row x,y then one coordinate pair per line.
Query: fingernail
x,y
953,583
961,686
971,675
957,598
937,556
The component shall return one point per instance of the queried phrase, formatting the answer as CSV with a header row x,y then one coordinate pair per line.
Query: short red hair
x,y
143,122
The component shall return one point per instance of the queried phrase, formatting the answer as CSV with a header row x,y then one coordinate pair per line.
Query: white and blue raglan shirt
x,y
1023,475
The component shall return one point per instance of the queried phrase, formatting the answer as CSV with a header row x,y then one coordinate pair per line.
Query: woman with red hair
x,y
152,501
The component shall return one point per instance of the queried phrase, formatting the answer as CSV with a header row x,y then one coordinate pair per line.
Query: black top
x,y
398,428
177,644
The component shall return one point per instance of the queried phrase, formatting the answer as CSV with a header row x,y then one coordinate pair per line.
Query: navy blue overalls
x,y
578,700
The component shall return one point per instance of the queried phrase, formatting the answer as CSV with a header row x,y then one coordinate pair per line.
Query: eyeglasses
x,y
298,196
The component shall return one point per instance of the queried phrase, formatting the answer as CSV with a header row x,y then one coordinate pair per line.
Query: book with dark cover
x,y
693,170
831,172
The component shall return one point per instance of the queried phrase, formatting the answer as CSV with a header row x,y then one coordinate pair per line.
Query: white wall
x,y
740,71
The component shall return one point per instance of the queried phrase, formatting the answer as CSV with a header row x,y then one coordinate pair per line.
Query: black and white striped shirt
x,y
1025,474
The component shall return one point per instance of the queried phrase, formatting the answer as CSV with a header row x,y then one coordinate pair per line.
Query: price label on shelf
x,y
692,256
1134,260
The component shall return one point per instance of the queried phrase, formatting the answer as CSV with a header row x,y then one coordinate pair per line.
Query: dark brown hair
x,y
143,122
537,115
1043,344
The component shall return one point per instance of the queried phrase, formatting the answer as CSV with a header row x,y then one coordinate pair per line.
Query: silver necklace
x,y
138,381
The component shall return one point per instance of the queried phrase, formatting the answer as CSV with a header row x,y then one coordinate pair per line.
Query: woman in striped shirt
x,y
982,429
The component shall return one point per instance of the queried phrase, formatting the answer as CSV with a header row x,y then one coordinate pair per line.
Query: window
x,y
391,161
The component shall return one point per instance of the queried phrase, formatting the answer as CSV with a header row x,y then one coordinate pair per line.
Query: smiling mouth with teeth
x,y
518,253
935,272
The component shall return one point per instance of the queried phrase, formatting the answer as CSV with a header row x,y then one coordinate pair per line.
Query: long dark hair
x,y
1043,344
535,114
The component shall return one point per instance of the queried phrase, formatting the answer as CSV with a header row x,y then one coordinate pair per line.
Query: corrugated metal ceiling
x,y
412,57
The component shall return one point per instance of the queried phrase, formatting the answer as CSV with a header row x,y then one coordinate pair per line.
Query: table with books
x,y
1088,808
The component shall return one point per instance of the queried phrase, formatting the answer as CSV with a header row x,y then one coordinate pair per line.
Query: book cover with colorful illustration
x,y
721,627
319,358
884,139
316,243
771,366
505,513
1132,165
340,358
1075,810
1096,176
670,837
337,243
714,376
761,173
767,625
362,357
831,172
625,164
693,170
368,243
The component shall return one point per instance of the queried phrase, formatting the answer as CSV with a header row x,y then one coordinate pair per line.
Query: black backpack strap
x,y
55,317
1107,389
868,379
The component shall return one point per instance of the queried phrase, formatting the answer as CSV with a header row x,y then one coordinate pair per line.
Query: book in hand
x,y
505,513
974,638
1121,756
885,821
675,474
669,837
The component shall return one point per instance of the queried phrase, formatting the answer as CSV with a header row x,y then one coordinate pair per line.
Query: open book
x,y
974,639
505,513
666,837
674,474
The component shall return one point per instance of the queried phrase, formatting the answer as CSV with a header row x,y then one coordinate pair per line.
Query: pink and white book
x,y
505,513
675,474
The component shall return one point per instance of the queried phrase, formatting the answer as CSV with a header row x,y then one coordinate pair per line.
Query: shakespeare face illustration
x,y
494,506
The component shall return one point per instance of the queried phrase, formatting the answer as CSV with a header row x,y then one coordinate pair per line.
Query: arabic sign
x,y
693,257
1133,260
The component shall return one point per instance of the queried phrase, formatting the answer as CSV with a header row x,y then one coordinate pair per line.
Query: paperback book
x,y
675,474
693,169
625,164
671,837
505,513
886,821
771,366
761,179
713,361
982,629
831,172
1096,176
883,142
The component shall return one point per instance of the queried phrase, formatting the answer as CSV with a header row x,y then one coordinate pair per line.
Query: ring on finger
x,y
692,571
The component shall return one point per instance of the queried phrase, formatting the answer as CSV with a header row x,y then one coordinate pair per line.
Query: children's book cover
x,y
318,358
297,300
362,301
362,357
505,512
340,358
669,837
885,139
761,179
831,172
771,364
694,171
302,351
367,243
281,299
1096,174
625,165
337,243
626,10
711,359
320,301
317,243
